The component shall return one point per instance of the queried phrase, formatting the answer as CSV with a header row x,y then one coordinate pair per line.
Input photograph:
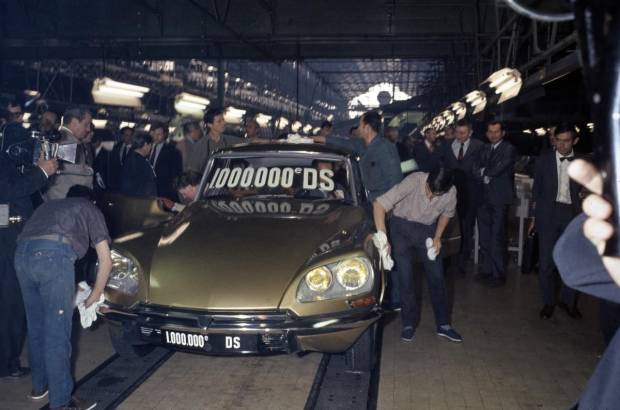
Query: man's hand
x,y
93,298
437,244
596,228
49,166
167,203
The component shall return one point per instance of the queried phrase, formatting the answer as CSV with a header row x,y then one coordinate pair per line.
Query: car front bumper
x,y
273,331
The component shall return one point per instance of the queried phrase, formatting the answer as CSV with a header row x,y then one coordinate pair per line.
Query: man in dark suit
x,y
117,158
137,176
166,161
496,170
557,202
427,153
461,155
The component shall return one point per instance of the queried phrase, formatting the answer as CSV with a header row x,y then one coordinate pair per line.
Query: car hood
x,y
244,254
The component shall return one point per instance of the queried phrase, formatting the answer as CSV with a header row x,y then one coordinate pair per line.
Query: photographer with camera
x,y
19,179
75,127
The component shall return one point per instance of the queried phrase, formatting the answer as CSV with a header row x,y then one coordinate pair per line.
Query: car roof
x,y
287,147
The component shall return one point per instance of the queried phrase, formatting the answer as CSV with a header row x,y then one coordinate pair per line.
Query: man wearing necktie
x,y
118,156
461,155
557,202
496,171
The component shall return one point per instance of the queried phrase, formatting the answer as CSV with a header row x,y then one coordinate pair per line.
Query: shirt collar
x,y
457,143
497,144
558,155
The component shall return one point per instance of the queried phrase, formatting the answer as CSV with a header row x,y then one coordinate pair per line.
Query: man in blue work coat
x,y
380,167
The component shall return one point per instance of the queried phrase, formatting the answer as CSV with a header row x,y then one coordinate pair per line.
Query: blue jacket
x,y
379,163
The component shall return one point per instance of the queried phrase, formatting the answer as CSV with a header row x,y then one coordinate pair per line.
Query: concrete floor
x,y
510,359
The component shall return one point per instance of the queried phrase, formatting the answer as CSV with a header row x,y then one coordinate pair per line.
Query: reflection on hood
x,y
270,208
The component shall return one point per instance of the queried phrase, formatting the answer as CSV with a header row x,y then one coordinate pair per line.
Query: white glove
x,y
431,252
381,243
87,315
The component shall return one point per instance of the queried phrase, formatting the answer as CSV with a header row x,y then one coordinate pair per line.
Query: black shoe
x,y
547,311
407,334
36,396
495,282
75,404
572,312
481,276
19,373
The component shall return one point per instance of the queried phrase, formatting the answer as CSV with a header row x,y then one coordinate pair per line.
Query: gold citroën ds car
x,y
273,256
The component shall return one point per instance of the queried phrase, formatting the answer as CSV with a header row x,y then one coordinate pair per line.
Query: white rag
x,y
87,314
381,243
431,252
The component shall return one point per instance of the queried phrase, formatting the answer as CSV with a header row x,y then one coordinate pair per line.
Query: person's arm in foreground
x,y
441,227
103,272
596,228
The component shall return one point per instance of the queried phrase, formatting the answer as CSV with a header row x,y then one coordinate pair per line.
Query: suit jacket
x,y
138,177
468,185
498,166
80,173
167,167
427,160
545,189
116,167
101,165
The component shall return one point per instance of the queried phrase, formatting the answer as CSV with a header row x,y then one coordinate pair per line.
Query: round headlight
x,y
319,279
352,274
124,274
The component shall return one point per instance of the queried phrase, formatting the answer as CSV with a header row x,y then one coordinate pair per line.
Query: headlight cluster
x,y
342,279
124,275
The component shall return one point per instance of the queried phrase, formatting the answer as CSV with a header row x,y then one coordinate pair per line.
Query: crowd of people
x,y
458,175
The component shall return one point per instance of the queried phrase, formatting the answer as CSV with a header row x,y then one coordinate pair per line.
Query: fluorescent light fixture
x,y
459,109
590,126
307,128
316,130
507,82
330,117
248,84
110,92
233,115
577,129
210,69
237,80
528,131
540,131
296,126
189,104
99,124
448,116
263,119
281,123
127,124
477,100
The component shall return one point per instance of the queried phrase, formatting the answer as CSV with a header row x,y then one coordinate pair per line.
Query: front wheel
x,y
362,356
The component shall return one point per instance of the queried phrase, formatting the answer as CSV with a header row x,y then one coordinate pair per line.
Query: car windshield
x,y
279,175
